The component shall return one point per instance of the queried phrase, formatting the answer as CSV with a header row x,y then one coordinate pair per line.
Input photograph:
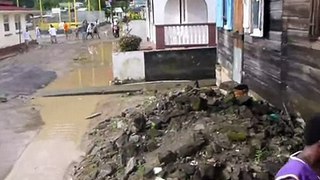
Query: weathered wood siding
x,y
225,49
302,59
262,56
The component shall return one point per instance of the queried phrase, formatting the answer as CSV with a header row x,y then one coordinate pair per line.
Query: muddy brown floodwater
x,y
58,144
93,69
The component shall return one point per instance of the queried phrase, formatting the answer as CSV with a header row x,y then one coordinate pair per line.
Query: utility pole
x,y
99,4
69,11
75,11
89,5
111,4
41,13
18,4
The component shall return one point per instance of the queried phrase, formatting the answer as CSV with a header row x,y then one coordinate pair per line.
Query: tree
x,y
25,3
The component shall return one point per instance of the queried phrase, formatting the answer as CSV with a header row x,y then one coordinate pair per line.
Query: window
x,y
6,23
17,22
314,27
253,20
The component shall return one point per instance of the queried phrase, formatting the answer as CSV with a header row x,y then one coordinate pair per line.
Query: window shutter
x,y
314,19
229,15
219,20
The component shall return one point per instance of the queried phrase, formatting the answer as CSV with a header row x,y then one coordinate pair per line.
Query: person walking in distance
x,y
38,34
96,30
77,30
83,29
53,34
27,38
66,29
90,30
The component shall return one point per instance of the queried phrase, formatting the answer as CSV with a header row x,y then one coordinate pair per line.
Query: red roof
x,y
9,6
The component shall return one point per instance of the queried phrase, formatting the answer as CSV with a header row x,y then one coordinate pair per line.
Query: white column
x,y
12,24
23,22
1,27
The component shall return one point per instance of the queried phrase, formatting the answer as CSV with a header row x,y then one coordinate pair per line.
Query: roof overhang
x,y
19,12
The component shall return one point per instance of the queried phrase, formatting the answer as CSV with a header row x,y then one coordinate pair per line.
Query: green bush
x,y
129,43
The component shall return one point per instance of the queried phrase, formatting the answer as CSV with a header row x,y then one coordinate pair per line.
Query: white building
x,y
181,23
12,20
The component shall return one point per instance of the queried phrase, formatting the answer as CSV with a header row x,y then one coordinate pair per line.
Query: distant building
x,y
12,21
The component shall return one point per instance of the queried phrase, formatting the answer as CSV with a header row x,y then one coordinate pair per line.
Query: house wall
x,y
302,64
11,38
162,18
261,56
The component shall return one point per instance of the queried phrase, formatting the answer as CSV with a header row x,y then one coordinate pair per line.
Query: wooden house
x,y
274,47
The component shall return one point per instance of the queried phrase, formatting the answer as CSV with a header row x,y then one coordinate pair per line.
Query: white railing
x,y
179,35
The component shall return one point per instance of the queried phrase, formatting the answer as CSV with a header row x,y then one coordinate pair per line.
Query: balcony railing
x,y
185,35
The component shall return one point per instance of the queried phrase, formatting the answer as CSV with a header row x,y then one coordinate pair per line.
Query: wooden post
x,y
160,42
212,34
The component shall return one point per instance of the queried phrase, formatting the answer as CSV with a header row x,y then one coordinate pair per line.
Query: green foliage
x,y
129,43
237,136
124,4
135,16
260,155
26,3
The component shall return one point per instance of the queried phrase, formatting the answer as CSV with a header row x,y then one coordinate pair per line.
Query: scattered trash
x,y
157,170
3,98
93,115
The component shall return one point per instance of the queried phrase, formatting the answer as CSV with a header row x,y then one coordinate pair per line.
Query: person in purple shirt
x,y
305,165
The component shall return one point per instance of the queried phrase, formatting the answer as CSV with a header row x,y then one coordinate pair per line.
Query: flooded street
x,y
93,69
58,143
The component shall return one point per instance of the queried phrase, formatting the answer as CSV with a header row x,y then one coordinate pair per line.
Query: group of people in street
x,y
86,29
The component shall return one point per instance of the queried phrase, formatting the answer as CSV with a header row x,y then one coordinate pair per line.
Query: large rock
x,y
198,103
187,168
130,166
3,98
139,121
167,157
106,170
192,147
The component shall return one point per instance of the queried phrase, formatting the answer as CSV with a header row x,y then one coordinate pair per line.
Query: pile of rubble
x,y
194,133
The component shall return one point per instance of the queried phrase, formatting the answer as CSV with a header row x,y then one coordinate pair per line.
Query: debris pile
x,y
194,133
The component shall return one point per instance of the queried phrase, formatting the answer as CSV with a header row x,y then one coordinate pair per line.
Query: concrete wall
x,y
128,65
11,37
186,64
138,29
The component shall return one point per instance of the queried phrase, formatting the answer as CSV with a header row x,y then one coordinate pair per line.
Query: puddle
x,y
57,144
94,69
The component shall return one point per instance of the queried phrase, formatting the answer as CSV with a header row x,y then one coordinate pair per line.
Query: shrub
x,y
129,43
